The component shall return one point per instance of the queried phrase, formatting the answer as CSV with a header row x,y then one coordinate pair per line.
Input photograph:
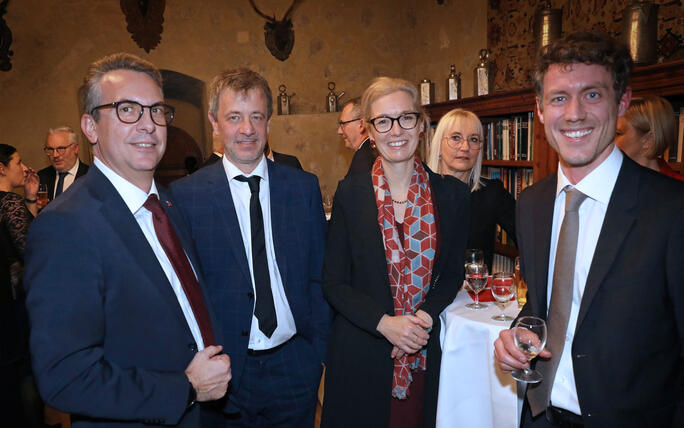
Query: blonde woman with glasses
x,y
456,150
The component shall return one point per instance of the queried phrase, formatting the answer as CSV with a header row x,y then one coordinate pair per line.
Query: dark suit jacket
x,y
627,349
358,381
109,340
48,176
288,160
298,226
363,158
490,205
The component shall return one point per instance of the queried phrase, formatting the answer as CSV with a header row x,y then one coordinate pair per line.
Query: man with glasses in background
x,y
121,329
351,128
61,148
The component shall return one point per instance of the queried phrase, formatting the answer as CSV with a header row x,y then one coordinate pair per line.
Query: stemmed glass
x,y
476,278
529,335
503,288
473,256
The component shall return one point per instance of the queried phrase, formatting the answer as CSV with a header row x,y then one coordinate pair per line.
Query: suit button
x,y
245,332
250,295
192,346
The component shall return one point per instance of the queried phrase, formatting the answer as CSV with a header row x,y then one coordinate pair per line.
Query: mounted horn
x,y
278,35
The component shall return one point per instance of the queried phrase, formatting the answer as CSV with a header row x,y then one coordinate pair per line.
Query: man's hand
x,y
508,356
406,332
209,373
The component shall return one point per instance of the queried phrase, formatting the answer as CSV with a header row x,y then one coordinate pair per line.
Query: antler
x,y
263,15
289,11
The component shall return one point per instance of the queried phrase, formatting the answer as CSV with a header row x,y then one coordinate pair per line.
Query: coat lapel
x,y
279,196
616,224
122,222
222,199
542,221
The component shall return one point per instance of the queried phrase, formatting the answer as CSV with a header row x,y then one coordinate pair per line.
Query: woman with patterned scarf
x,y
394,261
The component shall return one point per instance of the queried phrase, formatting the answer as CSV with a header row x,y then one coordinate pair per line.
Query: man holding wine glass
x,y
601,246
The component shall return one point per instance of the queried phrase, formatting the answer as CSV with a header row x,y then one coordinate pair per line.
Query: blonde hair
x,y
381,86
449,120
653,114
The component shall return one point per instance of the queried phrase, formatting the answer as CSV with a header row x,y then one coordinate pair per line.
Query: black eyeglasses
x,y
344,122
455,141
60,150
130,111
406,121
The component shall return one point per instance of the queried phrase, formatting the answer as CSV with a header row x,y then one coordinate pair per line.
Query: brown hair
x,y
90,90
238,80
586,48
6,152
653,114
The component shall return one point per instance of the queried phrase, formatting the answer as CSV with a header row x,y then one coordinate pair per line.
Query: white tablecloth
x,y
472,391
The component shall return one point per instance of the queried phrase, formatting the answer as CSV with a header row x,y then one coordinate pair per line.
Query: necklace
x,y
400,202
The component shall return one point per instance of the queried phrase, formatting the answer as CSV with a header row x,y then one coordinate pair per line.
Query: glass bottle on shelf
x,y
453,85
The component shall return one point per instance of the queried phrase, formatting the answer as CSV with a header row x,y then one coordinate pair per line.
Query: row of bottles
x,y
481,82
331,100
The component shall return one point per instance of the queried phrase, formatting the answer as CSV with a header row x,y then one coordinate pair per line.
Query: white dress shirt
x,y
598,186
241,196
68,179
134,198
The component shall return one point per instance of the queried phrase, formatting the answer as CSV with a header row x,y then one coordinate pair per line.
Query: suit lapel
x,y
542,221
616,224
365,209
222,199
115,211
279,195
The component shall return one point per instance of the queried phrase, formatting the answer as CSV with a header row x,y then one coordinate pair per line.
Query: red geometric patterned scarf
x,y
409,266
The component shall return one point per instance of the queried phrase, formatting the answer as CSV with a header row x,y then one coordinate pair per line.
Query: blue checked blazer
x,y
299,228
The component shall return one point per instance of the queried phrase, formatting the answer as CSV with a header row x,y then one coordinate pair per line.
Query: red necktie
x,y
174,251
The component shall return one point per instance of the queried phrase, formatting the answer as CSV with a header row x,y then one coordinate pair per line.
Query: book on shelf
x,y
509,138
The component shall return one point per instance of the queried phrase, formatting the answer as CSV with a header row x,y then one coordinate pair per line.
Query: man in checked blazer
x,y
259,229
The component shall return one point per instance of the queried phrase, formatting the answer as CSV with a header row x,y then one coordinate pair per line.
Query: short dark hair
x,y
587,48
90,90
238,80
6,152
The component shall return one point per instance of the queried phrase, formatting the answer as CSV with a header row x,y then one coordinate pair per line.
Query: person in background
x,y
282,158
456,150
352,129
21,405
646,131
393,262
61,148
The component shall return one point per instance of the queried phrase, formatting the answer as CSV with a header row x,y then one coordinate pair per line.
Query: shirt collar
x,y
73,169
599,183
232,171
132,195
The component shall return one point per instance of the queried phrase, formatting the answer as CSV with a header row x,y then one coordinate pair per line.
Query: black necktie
x,y
264,309
60,183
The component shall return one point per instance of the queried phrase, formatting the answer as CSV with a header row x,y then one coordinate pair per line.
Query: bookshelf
x,y
665,80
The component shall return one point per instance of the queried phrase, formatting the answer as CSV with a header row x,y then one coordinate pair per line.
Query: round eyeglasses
x,y
455,141
406,121
130,111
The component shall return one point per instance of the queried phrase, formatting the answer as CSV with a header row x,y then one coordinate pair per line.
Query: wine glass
x,y
503,288
529,335
42,195
476,278
474,256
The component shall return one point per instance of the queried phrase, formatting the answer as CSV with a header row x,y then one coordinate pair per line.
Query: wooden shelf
x,y
510,164
666,80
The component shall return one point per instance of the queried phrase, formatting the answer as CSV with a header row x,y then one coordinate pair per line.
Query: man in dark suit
x,y
282,158
259,230
601,246
61,148
351,128
120,331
